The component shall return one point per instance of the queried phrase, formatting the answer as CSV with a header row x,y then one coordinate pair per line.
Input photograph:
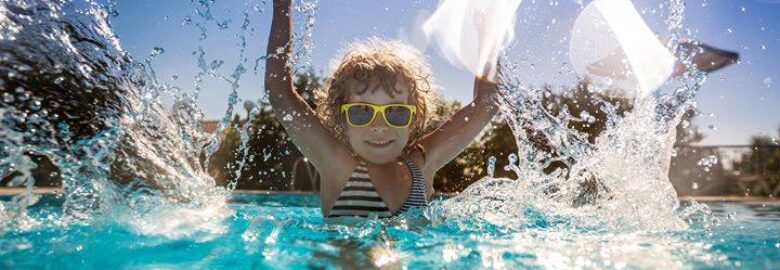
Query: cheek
x,y
352,134
404,133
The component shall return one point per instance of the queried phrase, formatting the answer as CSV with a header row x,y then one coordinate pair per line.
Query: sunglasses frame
x,y
378,109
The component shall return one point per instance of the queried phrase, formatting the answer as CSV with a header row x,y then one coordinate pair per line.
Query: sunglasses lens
x,y
398,116
360,115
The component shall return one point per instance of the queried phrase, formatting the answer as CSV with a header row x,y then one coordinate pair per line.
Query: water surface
x,y
286,231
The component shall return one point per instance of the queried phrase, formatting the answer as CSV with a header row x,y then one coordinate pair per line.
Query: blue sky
x,y
739,101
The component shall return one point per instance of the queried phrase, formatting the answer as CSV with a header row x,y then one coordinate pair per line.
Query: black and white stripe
x,y
359,197
417,196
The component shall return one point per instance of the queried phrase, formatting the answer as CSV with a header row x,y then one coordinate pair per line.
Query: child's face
x,y
378,142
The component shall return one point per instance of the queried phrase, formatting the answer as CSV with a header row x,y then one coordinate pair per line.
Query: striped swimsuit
x,y
359,197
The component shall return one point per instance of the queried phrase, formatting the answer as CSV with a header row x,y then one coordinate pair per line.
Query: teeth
x,y
378,142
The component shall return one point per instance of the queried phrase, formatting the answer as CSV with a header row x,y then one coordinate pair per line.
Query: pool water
x,y
286,231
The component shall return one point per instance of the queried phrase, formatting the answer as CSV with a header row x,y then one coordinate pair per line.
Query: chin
x,y
380,156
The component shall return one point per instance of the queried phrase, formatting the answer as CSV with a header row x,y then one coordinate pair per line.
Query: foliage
x,y
763,162
271,154
499,142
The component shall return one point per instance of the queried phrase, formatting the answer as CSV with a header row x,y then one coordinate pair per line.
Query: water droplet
x,y
743,9
174,77
466,118
224,24
157,51
187,21
257,8
35,105
8,98
768,82
695,185
763,46
23,96
491,166
287,118
59,80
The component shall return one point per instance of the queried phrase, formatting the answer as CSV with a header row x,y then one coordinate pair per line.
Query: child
x,y
365,137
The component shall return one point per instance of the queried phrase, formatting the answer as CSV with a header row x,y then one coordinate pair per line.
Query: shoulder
x,y
416,154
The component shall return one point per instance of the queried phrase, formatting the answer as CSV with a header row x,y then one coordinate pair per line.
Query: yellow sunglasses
x,y
363,114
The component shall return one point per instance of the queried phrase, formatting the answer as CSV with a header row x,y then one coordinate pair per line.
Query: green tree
x,y
499,141
762,166
271,154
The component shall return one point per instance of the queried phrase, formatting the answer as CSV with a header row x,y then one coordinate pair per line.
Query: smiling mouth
x,y
379,143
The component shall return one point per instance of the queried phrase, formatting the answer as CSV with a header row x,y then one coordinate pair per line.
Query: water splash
x,y
96,114
120,139
612,46
615,181
472,34
603,205
101,118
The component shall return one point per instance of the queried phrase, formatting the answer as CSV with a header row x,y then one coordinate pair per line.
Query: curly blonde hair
x,y
384,60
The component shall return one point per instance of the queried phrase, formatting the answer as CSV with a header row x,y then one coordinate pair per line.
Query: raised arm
x,y
299,120
450,138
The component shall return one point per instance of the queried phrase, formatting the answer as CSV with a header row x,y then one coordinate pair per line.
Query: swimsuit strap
x,y
418,197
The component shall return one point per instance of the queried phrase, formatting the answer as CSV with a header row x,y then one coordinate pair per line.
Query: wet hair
x,y
387,62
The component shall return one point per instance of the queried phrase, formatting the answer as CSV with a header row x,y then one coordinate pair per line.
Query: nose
x,y
379,130
379,123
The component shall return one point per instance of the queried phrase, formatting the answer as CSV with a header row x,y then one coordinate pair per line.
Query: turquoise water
x,y
611,205
286,231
